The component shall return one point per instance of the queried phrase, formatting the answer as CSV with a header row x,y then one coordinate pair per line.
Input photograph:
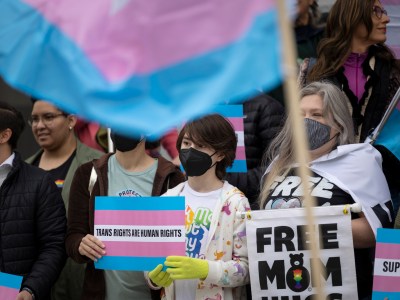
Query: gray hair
x,y
335,110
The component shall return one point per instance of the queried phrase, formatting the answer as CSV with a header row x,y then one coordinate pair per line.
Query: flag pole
x,y
385,117
291,92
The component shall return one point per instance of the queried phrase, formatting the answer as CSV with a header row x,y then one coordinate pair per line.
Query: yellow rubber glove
x,y
183,267
159,277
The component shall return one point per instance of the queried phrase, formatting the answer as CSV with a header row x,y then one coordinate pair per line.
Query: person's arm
x,y
363,236
80,241
50,223
234,272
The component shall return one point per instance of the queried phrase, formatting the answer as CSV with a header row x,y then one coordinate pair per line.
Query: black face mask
x,y
123,143
318,134
195,162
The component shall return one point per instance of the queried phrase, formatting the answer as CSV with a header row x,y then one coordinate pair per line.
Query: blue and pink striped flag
x,y
387,265
393,28
389,135
234,113
9,286
140,66
139,232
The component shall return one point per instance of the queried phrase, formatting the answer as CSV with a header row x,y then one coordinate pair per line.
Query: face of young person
x,y
311,107
50,126
198,164
378,33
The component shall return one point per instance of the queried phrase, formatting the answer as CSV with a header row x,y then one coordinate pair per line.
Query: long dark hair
x,y
343,19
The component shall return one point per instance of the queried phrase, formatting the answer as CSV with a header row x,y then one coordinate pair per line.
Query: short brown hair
x,y
215,132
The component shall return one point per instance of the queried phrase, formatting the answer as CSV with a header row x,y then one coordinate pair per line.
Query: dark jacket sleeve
x,y
175,178
50,234
78,213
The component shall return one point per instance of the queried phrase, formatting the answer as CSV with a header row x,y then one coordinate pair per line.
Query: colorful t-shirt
x,y
199,211
128,284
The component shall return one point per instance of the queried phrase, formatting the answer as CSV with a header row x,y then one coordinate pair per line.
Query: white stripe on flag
x,y
240,137
132,233
387,267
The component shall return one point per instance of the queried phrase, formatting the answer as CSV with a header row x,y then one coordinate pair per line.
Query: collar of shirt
x,y
8,161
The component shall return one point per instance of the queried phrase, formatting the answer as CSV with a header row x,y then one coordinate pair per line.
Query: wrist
x,y
26,289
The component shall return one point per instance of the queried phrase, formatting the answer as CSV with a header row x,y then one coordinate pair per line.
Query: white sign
x,y
280,264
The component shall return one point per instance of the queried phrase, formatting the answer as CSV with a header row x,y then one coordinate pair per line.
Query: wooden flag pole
x,y
291,92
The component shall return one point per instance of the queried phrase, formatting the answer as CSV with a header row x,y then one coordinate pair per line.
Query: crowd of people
x,y
347,78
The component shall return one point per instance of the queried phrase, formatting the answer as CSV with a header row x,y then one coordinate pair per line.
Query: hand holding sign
x,y
91,247
24,295
159,277
183,267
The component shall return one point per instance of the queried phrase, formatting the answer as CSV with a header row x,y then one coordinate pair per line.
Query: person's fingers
x,y
86,251
95,240
172,264
155,274
156,271
174,258
166,281
91,247
95,244
169,282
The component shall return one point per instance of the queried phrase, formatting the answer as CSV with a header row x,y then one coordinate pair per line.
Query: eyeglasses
x,y
378,11
47,119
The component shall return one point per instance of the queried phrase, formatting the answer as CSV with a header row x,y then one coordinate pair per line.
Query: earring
x,y
70,128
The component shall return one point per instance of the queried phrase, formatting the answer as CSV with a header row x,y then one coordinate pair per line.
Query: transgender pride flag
x,y
393,28
9,286
234,113
140,66
389,136
139,232
387,265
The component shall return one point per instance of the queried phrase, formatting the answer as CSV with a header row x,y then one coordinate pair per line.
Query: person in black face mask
x,y
123,143
341,172
207,146
129,172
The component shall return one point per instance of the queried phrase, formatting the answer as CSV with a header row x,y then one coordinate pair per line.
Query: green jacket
x,y
83,155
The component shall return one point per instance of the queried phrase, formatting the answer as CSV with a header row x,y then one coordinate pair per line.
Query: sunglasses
x,y
378,11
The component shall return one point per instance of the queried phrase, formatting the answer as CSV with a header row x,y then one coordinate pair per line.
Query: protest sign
x,y
280,263
387,265
139,232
